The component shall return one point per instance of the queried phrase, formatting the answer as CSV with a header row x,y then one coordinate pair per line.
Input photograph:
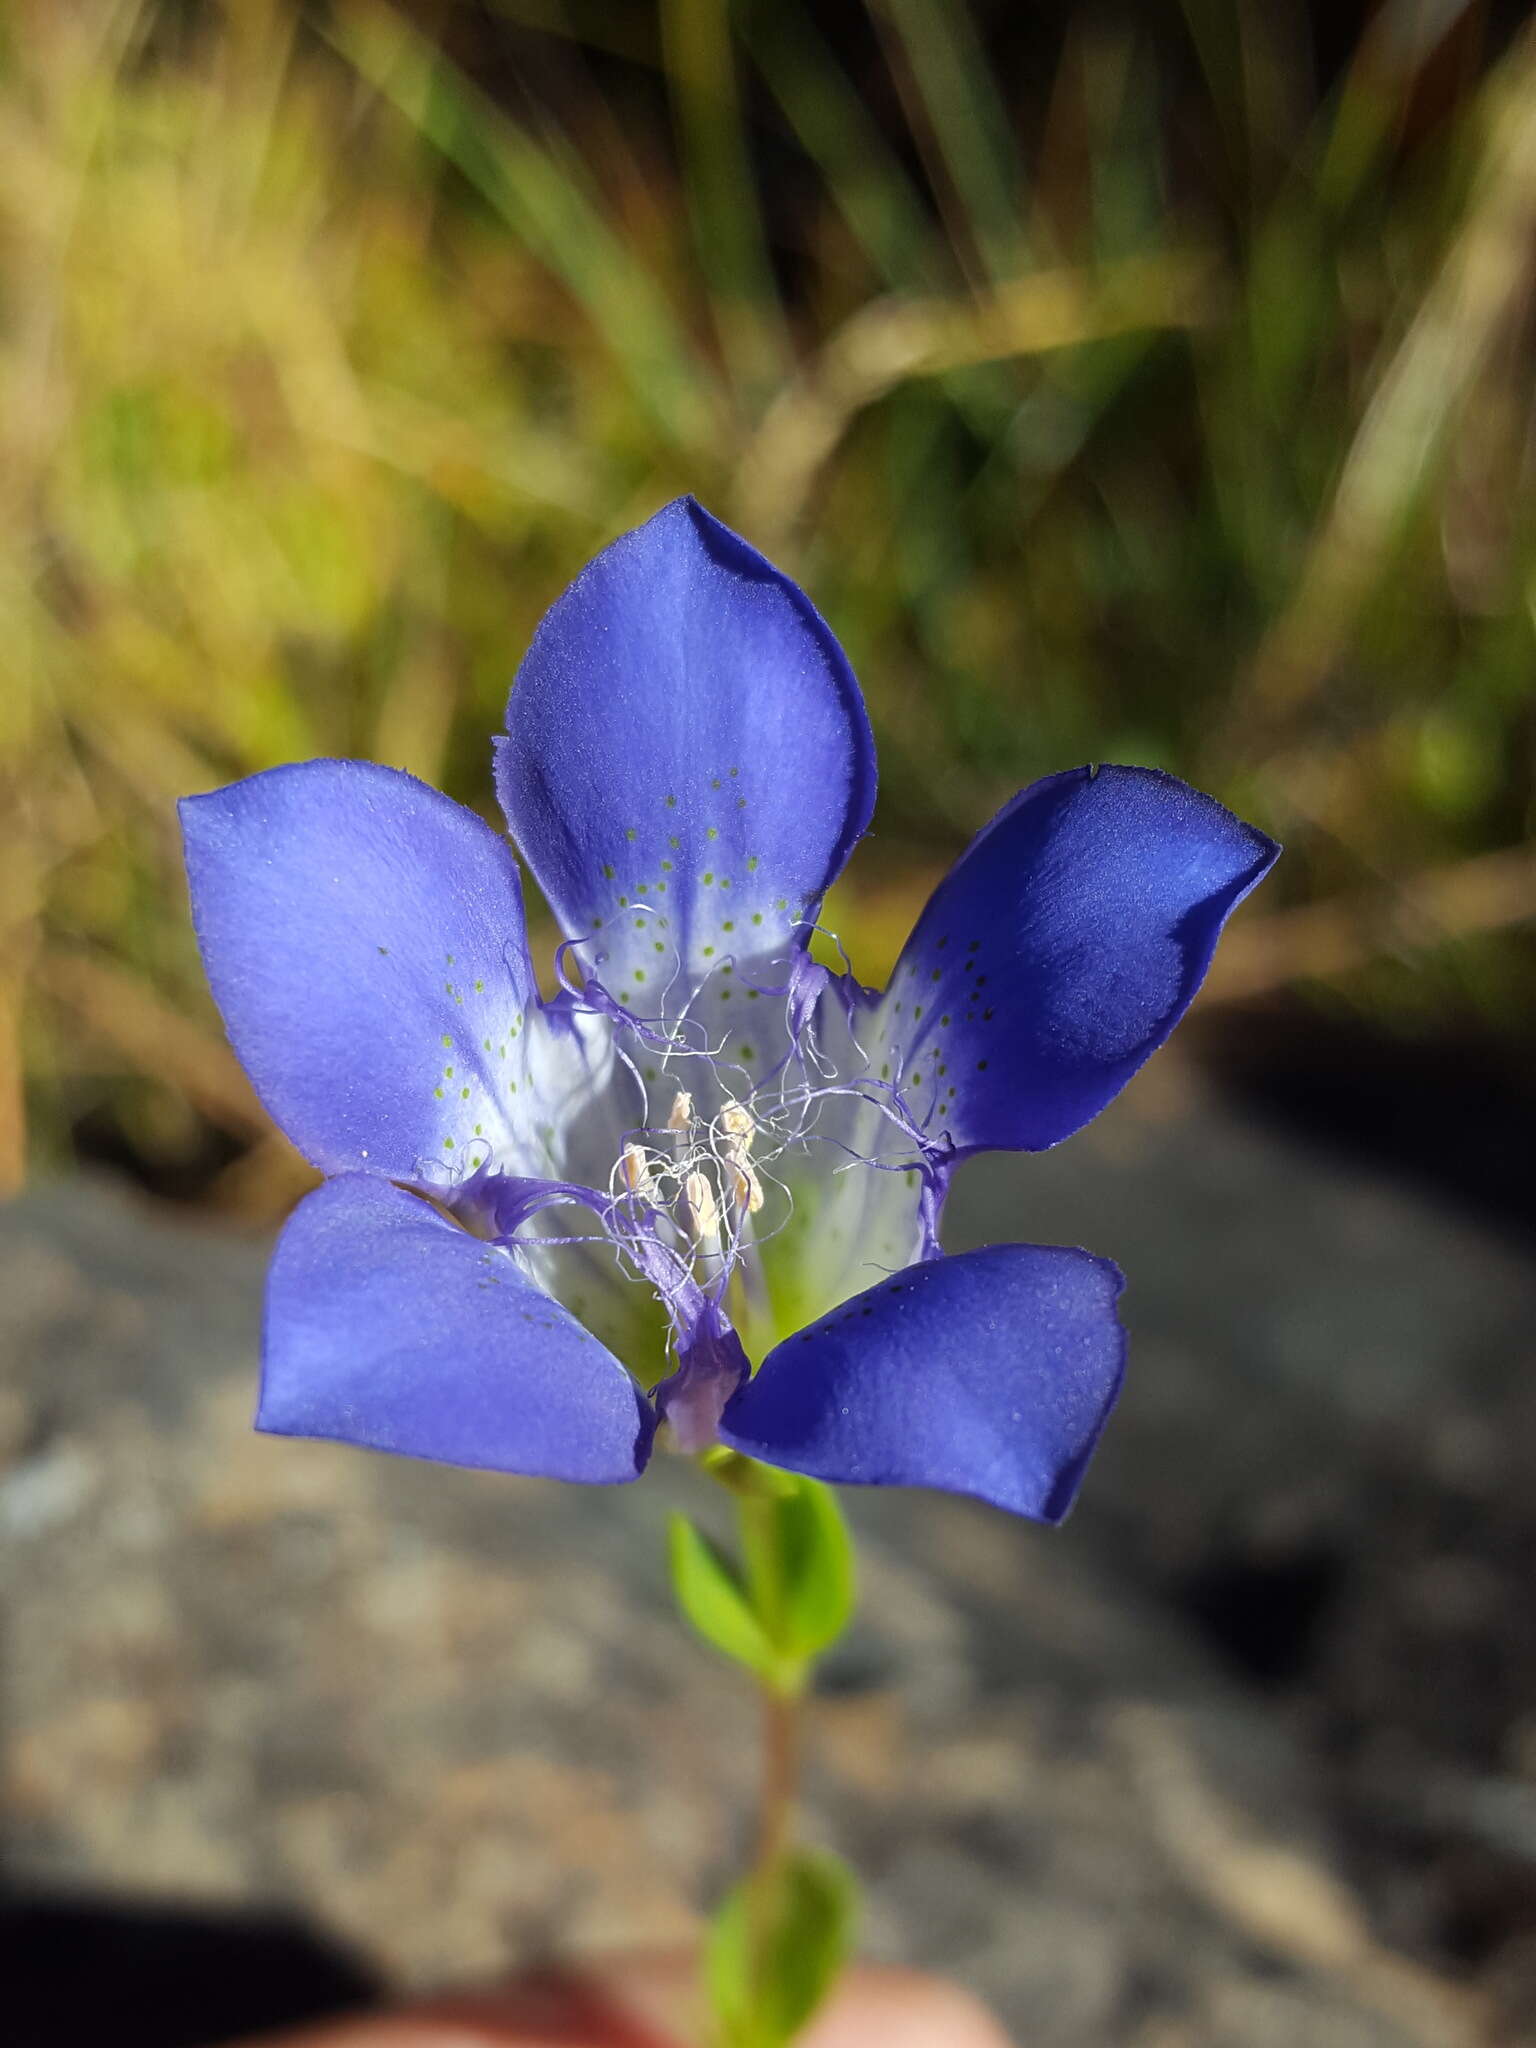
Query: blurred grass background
x,y
1137,383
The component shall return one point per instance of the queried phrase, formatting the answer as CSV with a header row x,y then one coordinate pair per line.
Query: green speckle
x,y
725,881
753,994
666,867
741,803
629,832
447,1144
917,1080
486,1043
734,773
751,863
747,1052
447,1039
917,1011
729,925
673,841
713,832
936,974
607,870
709,952
448,988
981,1066
885,1070
464,1095
671,803
479,988
757,917
639,974
479,1130
623,903
447,1073
449,958
438,1093
714,782
708,878
657,946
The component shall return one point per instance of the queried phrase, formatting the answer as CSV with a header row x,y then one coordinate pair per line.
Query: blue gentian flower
x,y
551,1226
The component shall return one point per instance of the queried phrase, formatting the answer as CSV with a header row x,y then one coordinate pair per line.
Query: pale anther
x,y
636,1168
702,1205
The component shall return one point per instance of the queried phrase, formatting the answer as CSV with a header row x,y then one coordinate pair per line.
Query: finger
x,y
654,2003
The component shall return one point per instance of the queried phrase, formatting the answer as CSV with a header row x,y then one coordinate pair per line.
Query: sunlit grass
x,y
1123,419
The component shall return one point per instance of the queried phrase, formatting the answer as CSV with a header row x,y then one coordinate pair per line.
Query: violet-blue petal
x,y
990,1373
389,1327
688,759
1060,951
364,939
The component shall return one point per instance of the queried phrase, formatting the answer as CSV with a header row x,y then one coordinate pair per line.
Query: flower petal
x,y
990,1373
364,940
389,1327
1059,952
688,761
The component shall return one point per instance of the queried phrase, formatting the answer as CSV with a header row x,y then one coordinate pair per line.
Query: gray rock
x,y
451,1719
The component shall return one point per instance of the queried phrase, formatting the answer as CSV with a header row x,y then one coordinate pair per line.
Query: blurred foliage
x,y
1167,402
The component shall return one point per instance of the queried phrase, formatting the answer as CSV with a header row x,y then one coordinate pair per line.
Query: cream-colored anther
x,y
703,1209
739,1124
681,1115
635,1165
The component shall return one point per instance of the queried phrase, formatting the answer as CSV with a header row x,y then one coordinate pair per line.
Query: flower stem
x,y
779,1786
780,1693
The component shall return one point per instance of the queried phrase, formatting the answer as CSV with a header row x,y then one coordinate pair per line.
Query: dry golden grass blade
x,y
894,339
123,1011
1322,940
1480,290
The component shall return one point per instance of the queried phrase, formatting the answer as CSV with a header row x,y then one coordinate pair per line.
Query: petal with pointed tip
x,y
989,1373
364,939
688,759
1059,953
389,1327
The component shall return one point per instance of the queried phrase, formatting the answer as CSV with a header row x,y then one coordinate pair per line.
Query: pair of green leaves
x,y
794,1592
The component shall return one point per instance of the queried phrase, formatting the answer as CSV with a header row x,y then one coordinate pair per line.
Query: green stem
x,y
780,1694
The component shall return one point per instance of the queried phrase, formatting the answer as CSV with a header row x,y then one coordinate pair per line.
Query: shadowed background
x,y
1149,384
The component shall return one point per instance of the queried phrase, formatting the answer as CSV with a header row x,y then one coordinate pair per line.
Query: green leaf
x,y
816,1554
800,1572
714,1601
775,1951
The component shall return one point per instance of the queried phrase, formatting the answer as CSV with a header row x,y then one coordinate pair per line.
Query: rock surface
x,y
1245,1757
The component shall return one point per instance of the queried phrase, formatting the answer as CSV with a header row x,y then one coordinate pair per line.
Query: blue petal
x,y
364,939
688,761
1059,952
389,1327
990,1373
